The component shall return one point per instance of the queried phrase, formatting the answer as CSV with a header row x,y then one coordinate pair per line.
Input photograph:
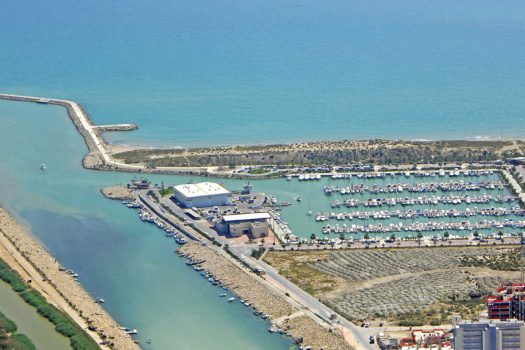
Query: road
x,y
360,335
272,278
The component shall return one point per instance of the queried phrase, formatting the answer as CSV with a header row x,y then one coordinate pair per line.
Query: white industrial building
x,y
254,225
201,195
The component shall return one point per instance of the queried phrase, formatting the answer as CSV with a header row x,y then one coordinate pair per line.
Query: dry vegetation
x,y
328,152
410,286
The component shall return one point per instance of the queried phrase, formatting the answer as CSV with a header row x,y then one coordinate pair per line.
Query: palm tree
x,y
342,237
446,235
476,234
313,237
367,238
419,237
500,234
393,237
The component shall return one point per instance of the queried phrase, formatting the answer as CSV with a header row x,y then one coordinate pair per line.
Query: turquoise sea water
x,y
208,72
205,73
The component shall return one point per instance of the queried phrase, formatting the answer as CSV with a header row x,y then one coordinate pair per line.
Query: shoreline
x,y
32,261
238,161
285,315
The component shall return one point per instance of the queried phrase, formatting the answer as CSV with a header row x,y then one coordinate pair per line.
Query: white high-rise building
x,y
490,335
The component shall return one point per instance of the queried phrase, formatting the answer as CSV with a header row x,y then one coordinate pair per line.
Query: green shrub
x,y
33,298
4,266
21,342
6,324
66,328
64,325
18,286
81,342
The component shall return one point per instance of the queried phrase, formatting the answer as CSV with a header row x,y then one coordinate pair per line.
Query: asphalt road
x,y
360,335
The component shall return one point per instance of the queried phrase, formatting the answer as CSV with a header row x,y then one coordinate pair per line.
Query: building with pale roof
x,y
202,195
255,225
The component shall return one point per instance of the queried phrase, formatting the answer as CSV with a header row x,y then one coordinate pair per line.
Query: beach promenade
x,y
30,259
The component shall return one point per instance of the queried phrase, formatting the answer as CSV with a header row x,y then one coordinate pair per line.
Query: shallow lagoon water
x,y
29,322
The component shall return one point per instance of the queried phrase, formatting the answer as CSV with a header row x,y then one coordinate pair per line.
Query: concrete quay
x,y
271,294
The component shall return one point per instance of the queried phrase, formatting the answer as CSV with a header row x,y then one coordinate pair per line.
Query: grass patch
x,y
166,191
296,268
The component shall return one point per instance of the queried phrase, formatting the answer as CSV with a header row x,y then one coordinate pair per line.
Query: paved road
x,y
360,335
304,299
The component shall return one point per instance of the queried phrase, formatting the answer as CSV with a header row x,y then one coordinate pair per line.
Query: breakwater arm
x,y
223,161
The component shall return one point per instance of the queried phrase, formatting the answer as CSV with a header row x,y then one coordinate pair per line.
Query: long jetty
x,y
85,126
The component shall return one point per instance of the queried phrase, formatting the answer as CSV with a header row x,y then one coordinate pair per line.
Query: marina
x,y
420,213
462,201
423,200
415,188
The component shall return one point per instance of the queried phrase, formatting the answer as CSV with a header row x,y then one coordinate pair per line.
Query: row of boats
x,y
147,216
424,226
423,200
421,213
416,188
196,265
382,175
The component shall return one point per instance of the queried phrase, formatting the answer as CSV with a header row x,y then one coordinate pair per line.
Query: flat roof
x,y
246,217
201,189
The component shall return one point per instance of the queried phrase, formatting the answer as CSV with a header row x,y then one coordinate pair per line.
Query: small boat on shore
x,y
232,299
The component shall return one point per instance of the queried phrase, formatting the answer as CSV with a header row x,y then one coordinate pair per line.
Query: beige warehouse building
x,y
255,225
202,195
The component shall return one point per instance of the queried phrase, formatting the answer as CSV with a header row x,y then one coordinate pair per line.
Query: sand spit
x,y
30,259
250,288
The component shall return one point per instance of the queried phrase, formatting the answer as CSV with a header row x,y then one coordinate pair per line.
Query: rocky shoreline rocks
x,y
286,318
117,192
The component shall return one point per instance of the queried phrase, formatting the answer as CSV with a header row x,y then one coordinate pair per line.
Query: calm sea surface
x,y
220,72
195,73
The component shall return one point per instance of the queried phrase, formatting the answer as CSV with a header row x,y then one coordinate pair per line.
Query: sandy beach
x,y
29,258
